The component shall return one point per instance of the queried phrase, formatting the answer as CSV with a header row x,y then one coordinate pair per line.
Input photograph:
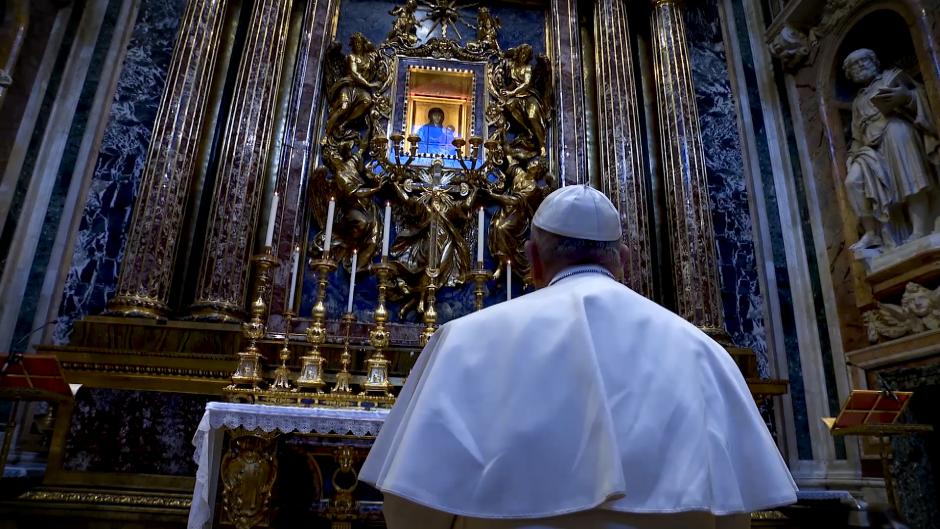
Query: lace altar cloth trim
x,y
284,419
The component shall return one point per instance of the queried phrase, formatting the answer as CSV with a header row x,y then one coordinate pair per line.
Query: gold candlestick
x,y
377,364
430,315
344,377
282,373
311,371
248,371
480,276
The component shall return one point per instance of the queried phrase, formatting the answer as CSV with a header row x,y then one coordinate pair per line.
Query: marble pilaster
x,y
567,69
621,158
149,258
296,145
683,165
223,276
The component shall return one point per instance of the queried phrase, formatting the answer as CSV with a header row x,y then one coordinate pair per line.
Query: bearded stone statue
x,y
893,157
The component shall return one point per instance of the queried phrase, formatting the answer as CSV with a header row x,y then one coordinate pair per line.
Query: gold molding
x,y
127,499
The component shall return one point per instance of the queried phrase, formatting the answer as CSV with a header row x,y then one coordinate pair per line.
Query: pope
x,y
581,405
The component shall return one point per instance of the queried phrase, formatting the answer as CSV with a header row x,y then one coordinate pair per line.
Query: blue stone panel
x,y
99,244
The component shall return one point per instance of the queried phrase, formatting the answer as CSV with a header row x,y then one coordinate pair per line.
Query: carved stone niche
x,y
853,123
891,154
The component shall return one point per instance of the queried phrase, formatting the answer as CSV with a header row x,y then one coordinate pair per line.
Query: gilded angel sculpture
x,y
526,96
351,86
356,226
530,183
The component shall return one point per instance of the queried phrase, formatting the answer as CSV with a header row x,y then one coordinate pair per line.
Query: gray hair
x,y
569,251
859,55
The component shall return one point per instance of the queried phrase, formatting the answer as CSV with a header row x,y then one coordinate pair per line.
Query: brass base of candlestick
x,y
248,372
377,375
311,373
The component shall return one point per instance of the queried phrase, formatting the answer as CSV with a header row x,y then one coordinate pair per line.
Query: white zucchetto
x,y
580,212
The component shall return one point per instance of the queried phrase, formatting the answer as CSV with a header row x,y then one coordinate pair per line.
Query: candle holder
x,y
248,371
311,371
377,364
430,314
480,276
459,144
282,373
344,377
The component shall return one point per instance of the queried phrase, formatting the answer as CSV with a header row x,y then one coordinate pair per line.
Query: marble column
x,y
567,70
622,176
692,239
300,133
147,266
239,182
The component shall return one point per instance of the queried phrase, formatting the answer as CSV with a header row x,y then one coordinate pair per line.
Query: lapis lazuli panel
x,y
99,244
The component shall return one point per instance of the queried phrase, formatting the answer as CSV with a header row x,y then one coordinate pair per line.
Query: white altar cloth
x,y
221,416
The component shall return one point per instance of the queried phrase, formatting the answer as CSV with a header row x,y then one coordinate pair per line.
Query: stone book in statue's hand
x,y
888,99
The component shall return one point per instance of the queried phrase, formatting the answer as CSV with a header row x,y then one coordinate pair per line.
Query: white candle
x,y
328,239
480,238
295,261
508,280
269,235
352,280
386,231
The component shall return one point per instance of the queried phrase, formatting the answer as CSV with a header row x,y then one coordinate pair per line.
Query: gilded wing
x,y
321,189
544,85
334,68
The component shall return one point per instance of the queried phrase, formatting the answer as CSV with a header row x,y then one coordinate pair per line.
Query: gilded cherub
x,y
405,28
487,29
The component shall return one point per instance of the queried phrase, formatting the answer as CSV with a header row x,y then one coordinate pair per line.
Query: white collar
x,y
580,269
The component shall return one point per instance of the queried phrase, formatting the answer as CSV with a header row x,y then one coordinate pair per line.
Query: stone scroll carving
x,y
918,311
891,167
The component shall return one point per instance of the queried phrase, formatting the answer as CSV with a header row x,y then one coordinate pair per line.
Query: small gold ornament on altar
x,y
344,377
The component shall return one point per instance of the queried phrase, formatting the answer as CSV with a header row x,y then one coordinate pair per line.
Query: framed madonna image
x,y
437,102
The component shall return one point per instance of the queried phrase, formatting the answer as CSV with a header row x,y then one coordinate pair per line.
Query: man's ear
x,y
535,260
624,259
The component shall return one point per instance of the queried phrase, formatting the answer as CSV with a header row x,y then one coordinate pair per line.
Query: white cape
x,y
580,395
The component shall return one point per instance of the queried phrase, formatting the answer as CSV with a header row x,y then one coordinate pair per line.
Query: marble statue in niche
x,y
891,167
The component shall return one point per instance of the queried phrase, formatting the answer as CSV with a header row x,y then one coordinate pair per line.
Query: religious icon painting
x,y
437,103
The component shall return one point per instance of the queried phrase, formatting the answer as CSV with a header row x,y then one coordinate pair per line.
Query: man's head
x,y
575,225
861,66
436,116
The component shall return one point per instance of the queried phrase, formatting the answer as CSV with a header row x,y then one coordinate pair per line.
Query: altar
x,y
242,451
